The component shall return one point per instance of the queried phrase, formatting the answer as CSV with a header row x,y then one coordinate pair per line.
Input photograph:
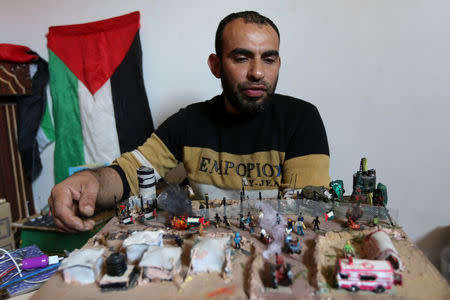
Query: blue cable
x,y
39,271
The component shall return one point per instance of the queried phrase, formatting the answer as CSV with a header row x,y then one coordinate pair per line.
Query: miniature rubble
x,y
82,266
211,255
139,241
161,263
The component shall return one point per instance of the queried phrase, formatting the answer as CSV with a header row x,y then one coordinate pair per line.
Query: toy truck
x,y
364,274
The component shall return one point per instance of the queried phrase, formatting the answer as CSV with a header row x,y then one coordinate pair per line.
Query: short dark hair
x,y
248,17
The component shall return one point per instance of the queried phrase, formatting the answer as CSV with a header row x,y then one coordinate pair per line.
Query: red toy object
x,y
280,272
364,274
179,223
196,221
352,224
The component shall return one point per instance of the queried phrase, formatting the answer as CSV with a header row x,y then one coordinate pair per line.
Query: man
x,y
247,131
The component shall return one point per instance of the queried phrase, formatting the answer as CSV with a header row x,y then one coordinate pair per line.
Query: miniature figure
x,y
252,225
280,272
237,240
260,215
288,230
290,224
348,250
218,220
300,226
262,233
316,223
374,221
241,222
278,218
249,218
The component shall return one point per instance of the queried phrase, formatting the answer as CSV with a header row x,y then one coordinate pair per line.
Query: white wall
x,y
378,71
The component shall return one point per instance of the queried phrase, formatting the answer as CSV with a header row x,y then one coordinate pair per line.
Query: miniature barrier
x,y
306,206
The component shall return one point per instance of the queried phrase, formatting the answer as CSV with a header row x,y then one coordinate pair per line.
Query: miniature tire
x,y
289,274
274,276
379,289
354,289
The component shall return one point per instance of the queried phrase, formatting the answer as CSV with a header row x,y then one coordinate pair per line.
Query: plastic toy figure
x,y
348,250
316,223
237,240
260,215
290,224
262,233
248,219
218,220
300,226
241,222
226,222
252,225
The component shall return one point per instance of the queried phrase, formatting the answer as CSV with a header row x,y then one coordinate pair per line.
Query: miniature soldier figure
x,y
316,223
226,222
241,222
278,218
217,220
300,226
237,240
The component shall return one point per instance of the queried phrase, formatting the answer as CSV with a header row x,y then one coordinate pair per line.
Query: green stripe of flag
x,y
69,150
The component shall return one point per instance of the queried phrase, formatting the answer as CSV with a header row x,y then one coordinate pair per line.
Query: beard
x,y
243,103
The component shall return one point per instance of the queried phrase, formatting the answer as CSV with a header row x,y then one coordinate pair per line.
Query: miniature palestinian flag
x,y
329,215
100,107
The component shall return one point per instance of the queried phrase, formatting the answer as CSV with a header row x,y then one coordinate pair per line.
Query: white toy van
x,y
364,274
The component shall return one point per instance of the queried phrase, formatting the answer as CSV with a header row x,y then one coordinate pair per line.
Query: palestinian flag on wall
x,y
100,107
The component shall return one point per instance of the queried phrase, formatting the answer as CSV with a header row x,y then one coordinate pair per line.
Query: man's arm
x,y
79,194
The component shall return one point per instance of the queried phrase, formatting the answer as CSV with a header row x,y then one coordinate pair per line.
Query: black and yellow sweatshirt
x,y
283,144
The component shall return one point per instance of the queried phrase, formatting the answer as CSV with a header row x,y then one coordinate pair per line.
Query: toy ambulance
x,y
364,274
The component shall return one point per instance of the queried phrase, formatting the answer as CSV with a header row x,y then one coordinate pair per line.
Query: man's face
x,y
249,65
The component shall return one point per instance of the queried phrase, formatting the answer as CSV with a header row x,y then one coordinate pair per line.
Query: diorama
x,y
308,243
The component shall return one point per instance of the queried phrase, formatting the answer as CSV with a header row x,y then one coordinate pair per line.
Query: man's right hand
x,y
72,198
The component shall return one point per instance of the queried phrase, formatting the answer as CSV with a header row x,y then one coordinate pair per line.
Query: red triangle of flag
x,y
93,51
